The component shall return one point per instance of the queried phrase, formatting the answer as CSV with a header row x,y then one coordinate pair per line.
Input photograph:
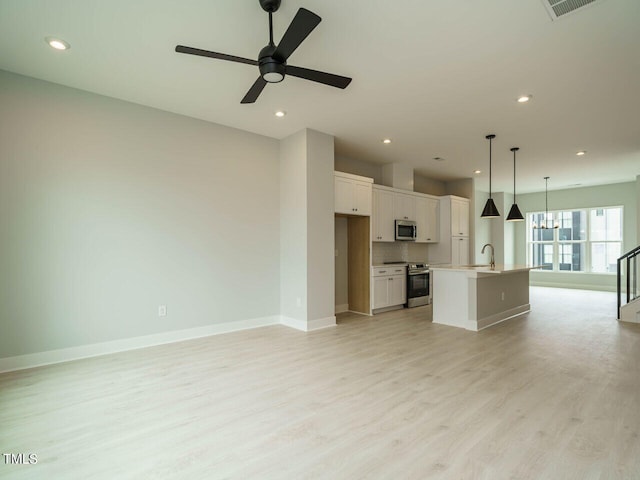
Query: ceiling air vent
x,y
560,8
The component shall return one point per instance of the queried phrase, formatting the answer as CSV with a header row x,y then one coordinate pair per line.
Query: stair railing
x,y
630,260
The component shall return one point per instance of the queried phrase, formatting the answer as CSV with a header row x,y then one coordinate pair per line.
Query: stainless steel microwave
x,y
405,230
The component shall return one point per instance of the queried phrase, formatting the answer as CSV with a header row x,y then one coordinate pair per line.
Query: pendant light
x,y
514,214
490,209
546,207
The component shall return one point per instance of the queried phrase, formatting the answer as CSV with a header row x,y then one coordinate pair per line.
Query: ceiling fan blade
x,y
220,56
320,77
254,91
301,26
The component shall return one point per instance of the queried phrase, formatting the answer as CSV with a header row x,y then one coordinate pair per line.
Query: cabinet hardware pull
x,y
383,271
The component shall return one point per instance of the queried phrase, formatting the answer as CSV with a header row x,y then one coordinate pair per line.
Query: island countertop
x,y
500,268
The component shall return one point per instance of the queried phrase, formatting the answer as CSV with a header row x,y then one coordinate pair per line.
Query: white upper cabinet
x,y
383,219
404,206
390,205
453,244
459,217
427,218
353,194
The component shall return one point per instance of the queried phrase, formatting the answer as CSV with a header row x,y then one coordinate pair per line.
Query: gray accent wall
x,y
109,209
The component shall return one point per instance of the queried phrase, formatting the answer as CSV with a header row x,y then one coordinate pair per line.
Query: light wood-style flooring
x,y
554,395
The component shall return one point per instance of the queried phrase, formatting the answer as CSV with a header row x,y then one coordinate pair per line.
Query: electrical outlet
x,y
162,310
336,252
503,296
298,302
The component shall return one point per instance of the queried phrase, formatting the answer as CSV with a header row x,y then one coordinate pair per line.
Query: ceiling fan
x,y
272,59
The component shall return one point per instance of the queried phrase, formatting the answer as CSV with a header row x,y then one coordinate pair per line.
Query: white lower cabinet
x,y
389,286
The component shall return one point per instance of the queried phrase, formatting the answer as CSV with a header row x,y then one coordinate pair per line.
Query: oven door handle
x,y
420,272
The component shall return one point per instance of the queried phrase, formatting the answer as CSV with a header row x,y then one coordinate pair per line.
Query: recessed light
x,y
57,43
439,159
581,152
280,113
477,172
386,141
524,98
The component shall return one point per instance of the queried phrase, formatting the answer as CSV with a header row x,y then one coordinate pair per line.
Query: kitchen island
x,y
478,296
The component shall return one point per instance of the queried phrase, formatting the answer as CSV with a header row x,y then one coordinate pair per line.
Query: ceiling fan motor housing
x,y
270,5
272,69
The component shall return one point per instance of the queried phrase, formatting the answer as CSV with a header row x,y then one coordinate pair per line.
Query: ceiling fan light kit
x,y
272,59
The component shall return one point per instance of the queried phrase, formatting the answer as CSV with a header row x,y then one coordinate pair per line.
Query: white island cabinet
x,y
477,297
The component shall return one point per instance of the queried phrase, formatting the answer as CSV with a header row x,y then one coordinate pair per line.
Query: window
x,y
587,240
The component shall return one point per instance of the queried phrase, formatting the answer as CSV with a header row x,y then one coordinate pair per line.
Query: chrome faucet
x,y
493,260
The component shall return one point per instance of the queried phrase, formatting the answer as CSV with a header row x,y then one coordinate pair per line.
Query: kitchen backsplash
x,y
398,251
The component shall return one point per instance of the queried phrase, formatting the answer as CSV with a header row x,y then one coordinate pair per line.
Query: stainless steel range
x,y
418,291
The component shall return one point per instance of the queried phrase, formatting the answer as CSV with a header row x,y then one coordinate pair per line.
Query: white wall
x,y
429,186
293,226
624,194
307,291
501,231
482,228
320,225
637,213
359,167
108,209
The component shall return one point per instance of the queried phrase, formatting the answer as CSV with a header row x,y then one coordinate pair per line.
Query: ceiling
x,y
434,76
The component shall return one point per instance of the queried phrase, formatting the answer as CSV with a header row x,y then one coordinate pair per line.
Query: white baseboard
x,y
387,309
342,308
21,362
308,326
502,316
575,286
39,359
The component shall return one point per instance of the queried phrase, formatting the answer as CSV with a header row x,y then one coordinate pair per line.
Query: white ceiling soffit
x,y
559,8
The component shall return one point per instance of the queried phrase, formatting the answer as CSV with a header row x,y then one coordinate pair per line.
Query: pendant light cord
x,y
490,167
514,176
546,200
